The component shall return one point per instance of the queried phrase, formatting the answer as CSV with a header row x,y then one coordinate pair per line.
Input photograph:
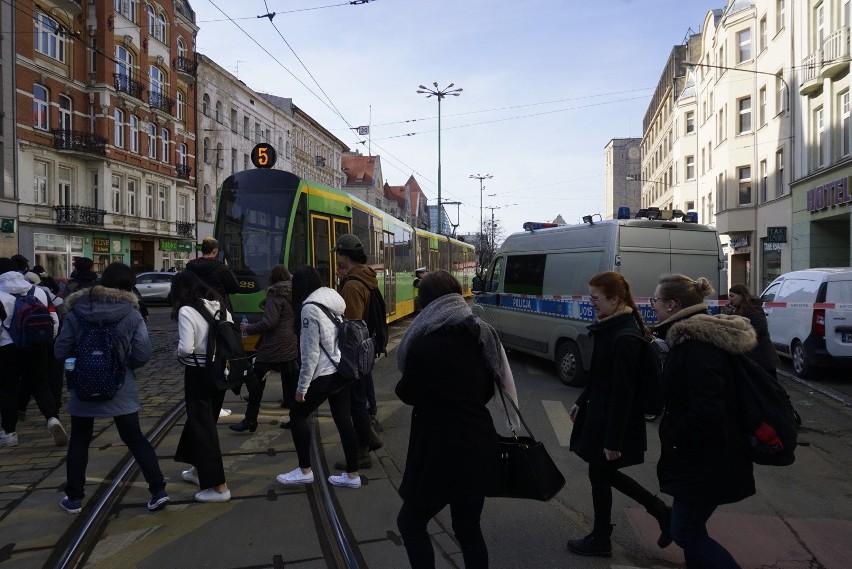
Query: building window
x,y
182,154
721,125
181,106
152,141
65,113
124,62
126,8
162,26
690,122
40,182
205,105
134,133
233,160
165,136
257,132
119,128
764,34
246,132
744,197
781,89
161,202
744,106
779,15
820,146
158,82
219,117
819,22
206,150
49,37
131,197
40,114
152,20
116,194
234,120
779,173
149,201
181,208
208,205
690,167
846,130
245,161
762,99
744,42
764,183
65,192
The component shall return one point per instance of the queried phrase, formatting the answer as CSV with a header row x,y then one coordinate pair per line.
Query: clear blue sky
x,y
547,83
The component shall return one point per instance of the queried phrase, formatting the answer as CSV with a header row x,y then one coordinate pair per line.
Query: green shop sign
x,y
180,246
7,225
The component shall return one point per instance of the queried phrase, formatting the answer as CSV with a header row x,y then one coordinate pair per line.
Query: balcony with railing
x,y
183,171
73,7
75,141
185,228
160,102
79,216
835,53
811,66
186,66
126,84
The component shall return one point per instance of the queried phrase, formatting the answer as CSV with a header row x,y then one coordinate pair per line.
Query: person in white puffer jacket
x,y
318,378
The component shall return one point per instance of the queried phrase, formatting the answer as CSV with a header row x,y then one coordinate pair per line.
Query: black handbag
x,y
526,469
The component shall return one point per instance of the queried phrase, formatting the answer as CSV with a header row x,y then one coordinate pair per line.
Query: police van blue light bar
x,y
535,225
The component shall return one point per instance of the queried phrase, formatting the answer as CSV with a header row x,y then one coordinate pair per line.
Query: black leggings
x,y
413,519
604,477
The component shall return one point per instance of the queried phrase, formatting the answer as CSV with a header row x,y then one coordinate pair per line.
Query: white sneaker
x,y
190,476
345,481
224,412
295,476
8,439
60,437
211,495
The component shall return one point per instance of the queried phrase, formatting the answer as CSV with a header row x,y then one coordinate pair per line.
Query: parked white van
x,y
810,317
535,293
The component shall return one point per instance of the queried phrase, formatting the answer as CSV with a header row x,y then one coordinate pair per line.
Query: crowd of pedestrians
x,y
453,440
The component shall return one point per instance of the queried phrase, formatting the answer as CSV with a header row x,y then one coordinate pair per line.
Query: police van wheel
x,y
569,365
800,360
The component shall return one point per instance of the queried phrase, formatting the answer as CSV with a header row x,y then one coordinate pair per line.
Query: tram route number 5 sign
x,y
263,156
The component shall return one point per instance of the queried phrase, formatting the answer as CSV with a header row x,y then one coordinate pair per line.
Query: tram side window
x,y
298,237
402,250
361,228
525,274
422,252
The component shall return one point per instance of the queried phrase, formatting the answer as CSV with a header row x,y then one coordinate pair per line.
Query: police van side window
x,y
769,294
524,274
798,290
494,276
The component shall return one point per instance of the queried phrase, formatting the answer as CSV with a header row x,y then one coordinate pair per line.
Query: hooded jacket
x,y
215,274
356,291
80,280
704,458
316,329
102,304
278,339
13,283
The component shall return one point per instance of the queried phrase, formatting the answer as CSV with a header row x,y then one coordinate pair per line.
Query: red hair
x,y
614,285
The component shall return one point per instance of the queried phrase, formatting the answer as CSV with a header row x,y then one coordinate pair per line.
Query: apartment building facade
x,y
8,198
821,194
105,133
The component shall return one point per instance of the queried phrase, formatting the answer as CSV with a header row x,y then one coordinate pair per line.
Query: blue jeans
x,y
689,531
131,435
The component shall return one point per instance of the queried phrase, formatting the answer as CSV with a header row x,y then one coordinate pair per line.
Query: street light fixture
x,y
439,94
458,219
480,177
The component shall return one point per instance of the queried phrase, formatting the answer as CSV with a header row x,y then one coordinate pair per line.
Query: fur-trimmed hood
x,y
734,334
284,289
100,303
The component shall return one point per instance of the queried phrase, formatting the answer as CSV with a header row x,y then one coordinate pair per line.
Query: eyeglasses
x,y
654,299
596,298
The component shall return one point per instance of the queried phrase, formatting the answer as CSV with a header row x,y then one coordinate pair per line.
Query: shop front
x,y
175,254
822,218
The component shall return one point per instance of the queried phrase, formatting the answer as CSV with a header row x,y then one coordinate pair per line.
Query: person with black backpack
x,y
199,440
26,335
107,339
704,458
82,276
359,288
609,415
319,379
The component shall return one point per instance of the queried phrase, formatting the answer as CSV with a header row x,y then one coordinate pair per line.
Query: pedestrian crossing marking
x,y
558,416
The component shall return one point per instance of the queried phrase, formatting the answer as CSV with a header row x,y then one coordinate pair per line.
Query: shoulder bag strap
x,y
211,323
518,411
335,321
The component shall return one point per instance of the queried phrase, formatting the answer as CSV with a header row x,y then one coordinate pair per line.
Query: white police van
x,y
809,314
535,293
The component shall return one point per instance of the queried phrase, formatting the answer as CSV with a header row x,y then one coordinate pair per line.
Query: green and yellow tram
x,y
266,217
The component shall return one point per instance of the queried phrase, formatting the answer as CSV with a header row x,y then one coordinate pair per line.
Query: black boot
x,y
663,514
249,425
595,544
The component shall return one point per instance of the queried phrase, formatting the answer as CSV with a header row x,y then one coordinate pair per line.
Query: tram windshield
x,y
252,226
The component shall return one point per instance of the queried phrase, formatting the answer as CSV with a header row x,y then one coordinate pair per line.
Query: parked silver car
x,y
155,286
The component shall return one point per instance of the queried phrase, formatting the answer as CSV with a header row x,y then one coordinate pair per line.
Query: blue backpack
x,y
100,367
32,325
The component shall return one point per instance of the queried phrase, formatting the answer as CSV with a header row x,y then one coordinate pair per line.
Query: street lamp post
x,y
439,94
480,177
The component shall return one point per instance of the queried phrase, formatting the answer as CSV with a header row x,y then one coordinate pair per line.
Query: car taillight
x,y
818,322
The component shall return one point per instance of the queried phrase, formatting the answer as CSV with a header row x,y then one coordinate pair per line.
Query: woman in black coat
x,y
450,362
609,420
704,458
744,304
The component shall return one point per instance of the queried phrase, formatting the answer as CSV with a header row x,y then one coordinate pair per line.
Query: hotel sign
x,y
832,194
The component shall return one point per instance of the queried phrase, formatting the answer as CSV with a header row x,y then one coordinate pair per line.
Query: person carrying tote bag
x,y
449,361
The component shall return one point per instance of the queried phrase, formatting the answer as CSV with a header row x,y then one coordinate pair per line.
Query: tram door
x,y
341,227
390,273
321,248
